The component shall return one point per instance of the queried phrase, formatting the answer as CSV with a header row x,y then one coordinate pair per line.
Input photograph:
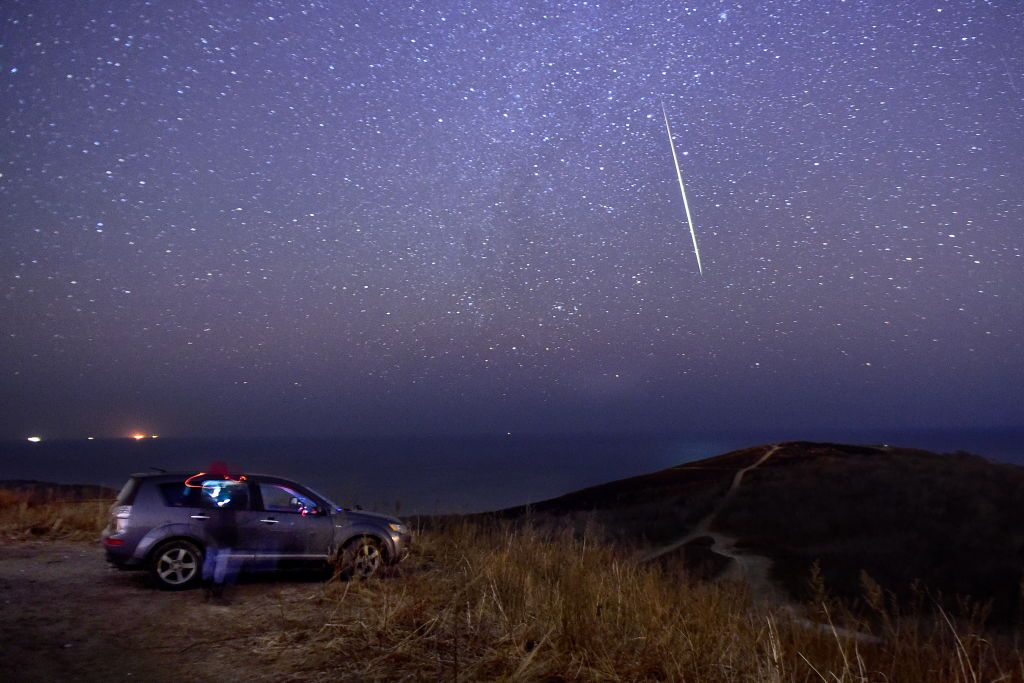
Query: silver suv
x,y
166,522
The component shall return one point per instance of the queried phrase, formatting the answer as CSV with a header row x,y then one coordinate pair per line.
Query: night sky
x,y
463,217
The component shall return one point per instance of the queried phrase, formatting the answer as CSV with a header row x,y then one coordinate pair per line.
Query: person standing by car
x,y
222,496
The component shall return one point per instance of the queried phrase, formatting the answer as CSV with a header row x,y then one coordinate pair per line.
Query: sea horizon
x,y
433,474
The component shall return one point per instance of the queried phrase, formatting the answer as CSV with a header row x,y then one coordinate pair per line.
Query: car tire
x,y
177,565
361,558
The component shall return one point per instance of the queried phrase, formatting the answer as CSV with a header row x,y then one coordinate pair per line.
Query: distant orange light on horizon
x,y
138,437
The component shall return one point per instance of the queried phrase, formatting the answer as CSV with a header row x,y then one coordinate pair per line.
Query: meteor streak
x,y
682,190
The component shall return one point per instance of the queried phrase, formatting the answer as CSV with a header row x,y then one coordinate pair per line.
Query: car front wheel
x,y
361,559
177,565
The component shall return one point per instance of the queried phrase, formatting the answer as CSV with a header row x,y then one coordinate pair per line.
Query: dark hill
x,y
954,523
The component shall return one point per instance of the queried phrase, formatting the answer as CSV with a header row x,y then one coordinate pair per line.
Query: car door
x,y
224,515
294,524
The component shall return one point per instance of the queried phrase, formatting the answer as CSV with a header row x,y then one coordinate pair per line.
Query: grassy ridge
x,y
953,523
493,600
497,601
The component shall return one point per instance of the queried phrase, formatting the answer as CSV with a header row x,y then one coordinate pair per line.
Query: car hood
x,y
371,517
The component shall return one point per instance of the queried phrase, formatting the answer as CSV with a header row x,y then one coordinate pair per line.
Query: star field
x,y
320,217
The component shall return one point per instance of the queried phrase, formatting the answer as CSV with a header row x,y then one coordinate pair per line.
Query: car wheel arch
x,y
176,563
158,545
161,534
354,538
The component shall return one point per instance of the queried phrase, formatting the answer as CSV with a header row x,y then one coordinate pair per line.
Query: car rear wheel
x,y
361,559
177,565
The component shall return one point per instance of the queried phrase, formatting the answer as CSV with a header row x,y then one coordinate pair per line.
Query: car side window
x,y
224,494
281,498
177,495
209,494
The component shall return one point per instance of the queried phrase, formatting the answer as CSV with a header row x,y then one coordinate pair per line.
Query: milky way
x,y
284,217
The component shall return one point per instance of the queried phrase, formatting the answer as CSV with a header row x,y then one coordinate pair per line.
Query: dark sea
x,y
438,474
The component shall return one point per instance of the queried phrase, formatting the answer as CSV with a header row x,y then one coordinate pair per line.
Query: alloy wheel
x,y
177,566
367,560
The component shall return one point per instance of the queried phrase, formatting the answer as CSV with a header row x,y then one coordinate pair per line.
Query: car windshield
x,y
330,503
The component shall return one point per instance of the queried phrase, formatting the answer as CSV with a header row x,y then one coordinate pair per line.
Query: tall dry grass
x,y
23,517
500,602
485,601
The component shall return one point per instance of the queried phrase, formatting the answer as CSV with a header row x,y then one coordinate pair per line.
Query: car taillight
x,y
121,513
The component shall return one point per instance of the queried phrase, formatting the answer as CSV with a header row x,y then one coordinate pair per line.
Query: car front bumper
x,y
401,545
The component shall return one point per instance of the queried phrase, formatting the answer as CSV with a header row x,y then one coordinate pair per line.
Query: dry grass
x,y
483,601
498,602
23,516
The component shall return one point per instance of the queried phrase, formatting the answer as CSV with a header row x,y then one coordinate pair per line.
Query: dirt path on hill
x,y
751,569
66,616
754,570
701,527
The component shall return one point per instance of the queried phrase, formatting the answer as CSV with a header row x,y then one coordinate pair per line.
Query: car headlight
x,y
398,528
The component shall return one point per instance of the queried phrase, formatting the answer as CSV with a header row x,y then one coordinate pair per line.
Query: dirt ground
x,y
66,615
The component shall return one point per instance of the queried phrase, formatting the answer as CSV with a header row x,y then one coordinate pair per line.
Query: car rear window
x,y
177,495
127,493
